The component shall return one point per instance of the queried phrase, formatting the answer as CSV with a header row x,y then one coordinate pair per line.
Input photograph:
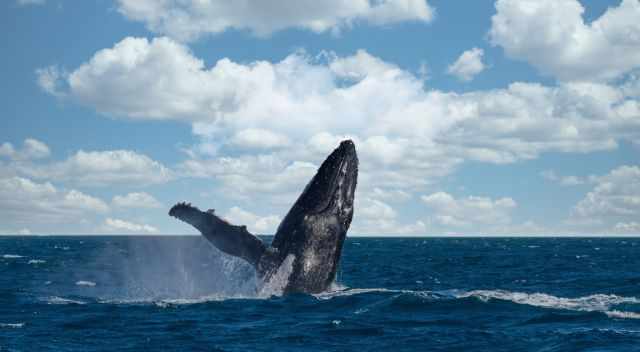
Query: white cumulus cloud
x,y
51,80
570,180
613,205
553,36
259,138
472,214
250,176
136,200
24,202
632,227
99,168
255,224
190,19
302,100
31,149
468,65
119,226
375,217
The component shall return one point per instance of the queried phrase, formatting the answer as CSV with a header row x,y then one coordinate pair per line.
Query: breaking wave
x,y
592,303
602,303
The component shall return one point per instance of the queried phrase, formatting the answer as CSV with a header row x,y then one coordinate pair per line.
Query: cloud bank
x,y
564,46
191,19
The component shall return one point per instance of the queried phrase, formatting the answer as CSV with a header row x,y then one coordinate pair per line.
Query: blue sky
x,y
470,118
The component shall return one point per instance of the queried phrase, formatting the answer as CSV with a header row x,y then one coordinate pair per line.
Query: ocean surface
x,y
400,294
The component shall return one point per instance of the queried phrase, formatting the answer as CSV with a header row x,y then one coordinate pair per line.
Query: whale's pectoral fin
x,y
231,239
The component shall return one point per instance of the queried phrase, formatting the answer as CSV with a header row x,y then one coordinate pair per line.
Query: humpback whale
x,y
309,238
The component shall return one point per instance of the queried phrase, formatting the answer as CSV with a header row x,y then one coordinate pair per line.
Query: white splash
x,y
278,281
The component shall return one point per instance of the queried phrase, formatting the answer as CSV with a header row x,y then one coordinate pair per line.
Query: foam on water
x,y
592,303
85,283
169,302
622,315
11,325
62,300
357,291
11,256
210,298
597,302
36,261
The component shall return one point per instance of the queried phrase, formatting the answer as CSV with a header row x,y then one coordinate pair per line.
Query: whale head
x,y
332,189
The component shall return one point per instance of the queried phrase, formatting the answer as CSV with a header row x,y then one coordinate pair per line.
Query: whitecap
x,y
592,303
622,315
11,325
37,261
168,302
85,283
61,300
357,291
204,299
11,256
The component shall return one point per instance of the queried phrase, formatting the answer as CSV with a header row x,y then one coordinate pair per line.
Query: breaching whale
x,y
311,235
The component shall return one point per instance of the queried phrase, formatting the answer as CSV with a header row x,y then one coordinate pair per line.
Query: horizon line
x,y
348,236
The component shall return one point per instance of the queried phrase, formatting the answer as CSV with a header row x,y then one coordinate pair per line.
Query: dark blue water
x,y
435,294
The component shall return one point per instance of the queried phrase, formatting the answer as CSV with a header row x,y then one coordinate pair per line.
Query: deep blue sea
x,y
394,294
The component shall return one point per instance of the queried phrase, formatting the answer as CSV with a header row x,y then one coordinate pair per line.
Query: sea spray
x,y
166,268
